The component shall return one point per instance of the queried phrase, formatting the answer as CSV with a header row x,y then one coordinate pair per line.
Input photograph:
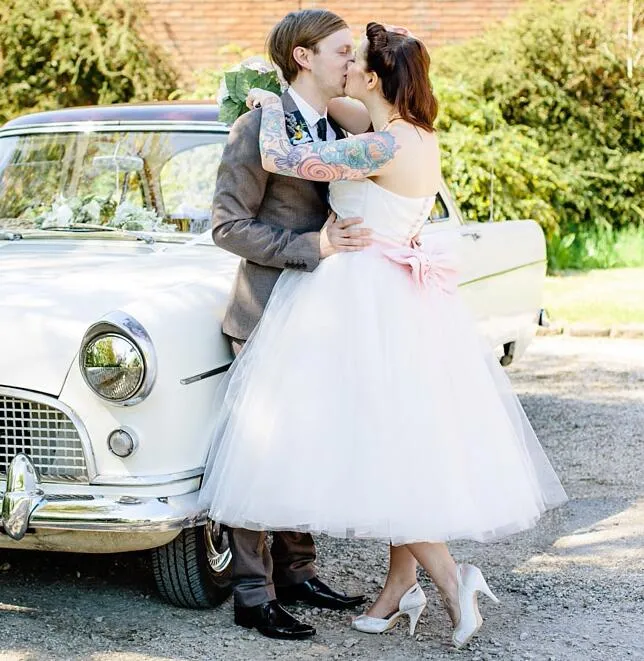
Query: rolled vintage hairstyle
x,y
402,64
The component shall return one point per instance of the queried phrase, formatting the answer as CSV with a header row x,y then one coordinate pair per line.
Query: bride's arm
x,y
352,115
351,158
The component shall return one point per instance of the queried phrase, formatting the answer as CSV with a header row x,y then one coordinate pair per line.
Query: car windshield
x,y
160,181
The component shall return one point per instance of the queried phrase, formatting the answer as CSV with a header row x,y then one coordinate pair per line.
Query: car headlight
x,y
117,360
113,367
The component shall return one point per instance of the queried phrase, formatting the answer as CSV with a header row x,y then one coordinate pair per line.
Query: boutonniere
x,y
297,130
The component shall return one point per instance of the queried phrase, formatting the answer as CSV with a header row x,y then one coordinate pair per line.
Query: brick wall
x,y
195,32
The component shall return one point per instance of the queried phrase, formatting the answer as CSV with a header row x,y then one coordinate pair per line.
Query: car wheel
x,y
193,570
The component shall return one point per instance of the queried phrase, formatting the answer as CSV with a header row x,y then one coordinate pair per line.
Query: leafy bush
x,y
486,160
558,73
57,53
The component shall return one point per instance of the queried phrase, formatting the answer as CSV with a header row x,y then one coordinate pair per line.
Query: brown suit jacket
x,y
273,222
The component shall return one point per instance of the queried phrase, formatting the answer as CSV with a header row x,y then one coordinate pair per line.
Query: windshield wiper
x,y
79,227
136,234
7,235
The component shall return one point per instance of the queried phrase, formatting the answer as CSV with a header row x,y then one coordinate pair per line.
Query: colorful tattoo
x,y
349,158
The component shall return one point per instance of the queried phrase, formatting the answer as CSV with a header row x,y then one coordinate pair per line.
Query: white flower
x,y
257,63
93,210
186,210
61,214
131,214
223,92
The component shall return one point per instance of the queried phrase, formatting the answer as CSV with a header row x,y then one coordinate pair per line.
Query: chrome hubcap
x,y
217,551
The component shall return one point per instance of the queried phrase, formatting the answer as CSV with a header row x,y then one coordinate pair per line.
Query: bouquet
x,y
236,83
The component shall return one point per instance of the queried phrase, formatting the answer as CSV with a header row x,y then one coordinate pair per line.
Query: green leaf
x,y
242,86
231,82
230,110
269,82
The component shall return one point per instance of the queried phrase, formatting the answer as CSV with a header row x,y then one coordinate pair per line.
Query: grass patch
x,y
605,296
597,248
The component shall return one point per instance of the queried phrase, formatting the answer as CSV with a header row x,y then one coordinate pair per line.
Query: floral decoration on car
x,y
99,212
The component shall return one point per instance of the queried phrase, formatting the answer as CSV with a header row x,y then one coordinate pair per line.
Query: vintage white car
x,y
111,300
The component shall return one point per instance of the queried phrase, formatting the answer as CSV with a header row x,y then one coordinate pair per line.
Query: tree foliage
x,y
60,53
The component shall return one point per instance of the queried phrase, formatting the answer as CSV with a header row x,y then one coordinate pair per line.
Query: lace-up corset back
x,y
395,217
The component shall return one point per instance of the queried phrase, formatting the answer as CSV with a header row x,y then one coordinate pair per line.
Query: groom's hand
x,y
343,236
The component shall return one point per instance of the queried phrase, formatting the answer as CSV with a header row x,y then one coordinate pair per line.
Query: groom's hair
x,y
305,28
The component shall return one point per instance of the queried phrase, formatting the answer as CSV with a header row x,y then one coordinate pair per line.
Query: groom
x,y
276,222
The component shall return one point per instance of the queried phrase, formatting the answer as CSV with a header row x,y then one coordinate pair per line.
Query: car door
x,y
502,268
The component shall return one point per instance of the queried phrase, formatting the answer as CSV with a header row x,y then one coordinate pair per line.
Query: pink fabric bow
x,y
432,266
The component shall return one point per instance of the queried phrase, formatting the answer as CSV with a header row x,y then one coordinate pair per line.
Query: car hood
x,y
52,291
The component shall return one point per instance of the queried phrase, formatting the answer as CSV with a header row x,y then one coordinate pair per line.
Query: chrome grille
x,y
45,434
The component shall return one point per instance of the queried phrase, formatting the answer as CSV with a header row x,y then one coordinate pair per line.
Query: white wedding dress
x,y
365,404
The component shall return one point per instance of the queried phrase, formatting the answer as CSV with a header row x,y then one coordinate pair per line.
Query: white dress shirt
x,y
311,117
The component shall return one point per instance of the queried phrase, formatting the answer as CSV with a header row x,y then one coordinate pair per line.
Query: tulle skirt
x,y
366,404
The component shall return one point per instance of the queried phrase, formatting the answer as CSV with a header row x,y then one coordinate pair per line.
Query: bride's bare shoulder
x,y
416,145
410,132
414,140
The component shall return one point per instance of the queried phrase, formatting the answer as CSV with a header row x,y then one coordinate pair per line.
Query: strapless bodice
x,y
390,215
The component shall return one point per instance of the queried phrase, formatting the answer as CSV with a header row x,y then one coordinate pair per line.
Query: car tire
x,y
194,569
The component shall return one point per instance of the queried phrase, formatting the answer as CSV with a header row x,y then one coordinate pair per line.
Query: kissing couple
x,y
362,402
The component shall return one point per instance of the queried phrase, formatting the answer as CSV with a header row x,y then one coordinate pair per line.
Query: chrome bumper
x,y
26,506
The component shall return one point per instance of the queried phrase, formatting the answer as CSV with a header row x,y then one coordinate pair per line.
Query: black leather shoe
x,y
271,620
316,593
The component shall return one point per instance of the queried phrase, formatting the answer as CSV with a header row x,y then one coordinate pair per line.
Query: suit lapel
x,y
296,127
290,108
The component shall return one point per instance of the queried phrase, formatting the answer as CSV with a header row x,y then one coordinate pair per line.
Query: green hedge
x,y
57,53
568,117
482,155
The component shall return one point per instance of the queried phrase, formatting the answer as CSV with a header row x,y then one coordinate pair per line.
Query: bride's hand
x,y
258,97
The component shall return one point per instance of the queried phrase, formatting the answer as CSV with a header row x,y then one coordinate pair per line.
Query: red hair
x,y
402,64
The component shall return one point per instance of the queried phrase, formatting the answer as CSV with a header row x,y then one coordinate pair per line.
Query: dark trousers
x,y
257,569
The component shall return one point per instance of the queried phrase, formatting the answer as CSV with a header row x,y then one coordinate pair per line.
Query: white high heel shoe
x,y
412,604
470,581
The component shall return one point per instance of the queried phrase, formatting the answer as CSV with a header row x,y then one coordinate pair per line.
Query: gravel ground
x,y
572,589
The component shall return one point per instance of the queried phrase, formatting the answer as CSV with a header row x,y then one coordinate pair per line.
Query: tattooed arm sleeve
x,y
351,158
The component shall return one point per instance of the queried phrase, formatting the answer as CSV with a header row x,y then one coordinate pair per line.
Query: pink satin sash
x,y
433,265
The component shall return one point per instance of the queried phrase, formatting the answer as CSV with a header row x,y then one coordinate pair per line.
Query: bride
x,y
365,404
